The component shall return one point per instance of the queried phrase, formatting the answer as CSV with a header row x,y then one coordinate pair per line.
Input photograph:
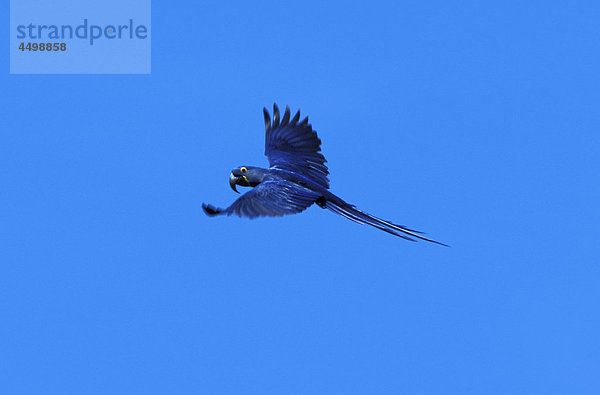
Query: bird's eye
x,y
243,169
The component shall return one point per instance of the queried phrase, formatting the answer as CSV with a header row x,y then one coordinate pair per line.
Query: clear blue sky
x,y
478,124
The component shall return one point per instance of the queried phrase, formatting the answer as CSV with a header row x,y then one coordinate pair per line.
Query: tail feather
x,y
351,216
336,210
353,213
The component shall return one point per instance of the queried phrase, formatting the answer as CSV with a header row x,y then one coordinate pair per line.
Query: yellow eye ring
x,y
243,169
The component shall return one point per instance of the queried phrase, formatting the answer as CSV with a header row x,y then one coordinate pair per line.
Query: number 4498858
x,y
43,47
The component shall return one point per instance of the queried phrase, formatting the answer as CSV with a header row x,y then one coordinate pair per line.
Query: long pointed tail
x,y
353,213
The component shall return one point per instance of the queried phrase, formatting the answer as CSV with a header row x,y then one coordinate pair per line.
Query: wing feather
x,y
270,198
294,146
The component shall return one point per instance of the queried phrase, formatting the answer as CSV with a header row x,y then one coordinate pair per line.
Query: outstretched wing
x,y
294,146
269,198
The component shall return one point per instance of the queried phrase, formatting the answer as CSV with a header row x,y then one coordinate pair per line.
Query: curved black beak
x,y
233,181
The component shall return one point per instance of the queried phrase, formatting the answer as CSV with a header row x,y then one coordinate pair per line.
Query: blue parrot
x,y
296,178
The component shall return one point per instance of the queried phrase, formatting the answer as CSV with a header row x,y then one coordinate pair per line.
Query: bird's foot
x,y
321,202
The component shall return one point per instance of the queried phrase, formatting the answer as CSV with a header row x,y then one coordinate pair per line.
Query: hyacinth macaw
x,y
296,178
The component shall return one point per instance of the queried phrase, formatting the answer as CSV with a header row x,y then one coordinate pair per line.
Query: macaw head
x,y
245,176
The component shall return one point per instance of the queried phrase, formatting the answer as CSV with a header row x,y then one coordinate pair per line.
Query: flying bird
x,y
296,178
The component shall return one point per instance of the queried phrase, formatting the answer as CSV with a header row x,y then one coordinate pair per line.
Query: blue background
x,y
478,124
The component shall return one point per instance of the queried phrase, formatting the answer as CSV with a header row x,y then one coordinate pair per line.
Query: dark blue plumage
x,y
294,146
273,197
296,179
